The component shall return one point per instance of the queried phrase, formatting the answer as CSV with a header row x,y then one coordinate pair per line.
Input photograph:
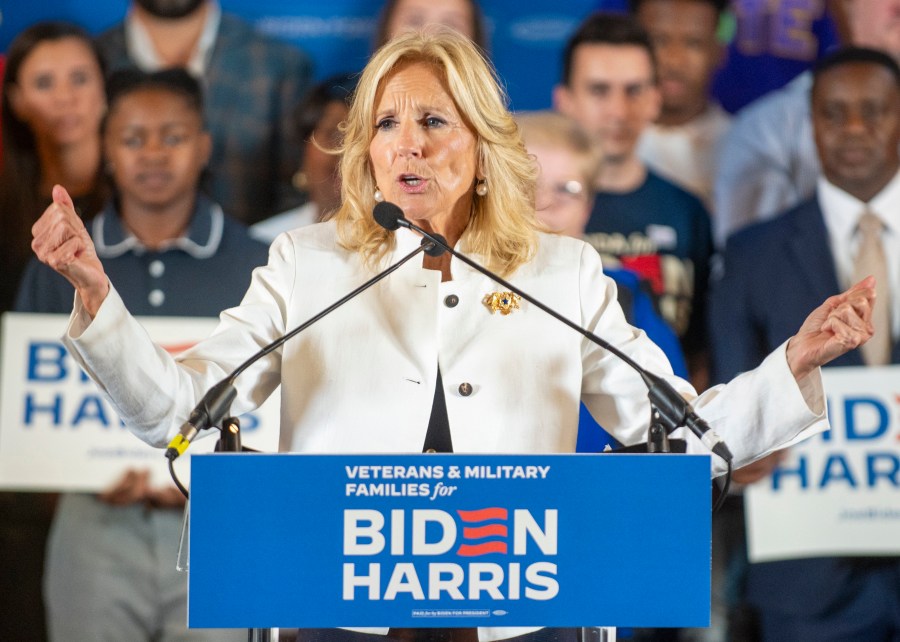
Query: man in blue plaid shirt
x,y
251,83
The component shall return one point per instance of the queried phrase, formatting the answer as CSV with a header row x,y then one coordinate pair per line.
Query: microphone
x,y
391,218
388,216
215,404
674,410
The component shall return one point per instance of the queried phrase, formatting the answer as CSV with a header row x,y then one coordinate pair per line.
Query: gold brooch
x,y
504,302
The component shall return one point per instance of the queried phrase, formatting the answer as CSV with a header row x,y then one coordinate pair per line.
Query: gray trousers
x,y
110,575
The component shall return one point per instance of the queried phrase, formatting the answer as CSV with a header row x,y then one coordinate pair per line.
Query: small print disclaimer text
x,y
451,613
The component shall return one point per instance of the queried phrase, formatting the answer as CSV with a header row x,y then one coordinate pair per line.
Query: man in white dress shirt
x,y
768,160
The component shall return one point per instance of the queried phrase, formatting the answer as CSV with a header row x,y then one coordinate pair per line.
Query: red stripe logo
x,y
475,531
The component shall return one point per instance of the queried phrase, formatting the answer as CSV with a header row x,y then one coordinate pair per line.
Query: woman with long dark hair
x,y
52,104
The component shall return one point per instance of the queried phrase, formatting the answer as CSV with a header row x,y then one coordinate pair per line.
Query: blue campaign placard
x,y
449,540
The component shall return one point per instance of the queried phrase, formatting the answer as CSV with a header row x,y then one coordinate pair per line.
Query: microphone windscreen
x,y
387,215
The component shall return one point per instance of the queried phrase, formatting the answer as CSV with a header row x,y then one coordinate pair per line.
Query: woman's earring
x,y
379,197
481,188
300,180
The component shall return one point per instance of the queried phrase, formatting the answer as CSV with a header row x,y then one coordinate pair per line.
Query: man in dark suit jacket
x,y
772,273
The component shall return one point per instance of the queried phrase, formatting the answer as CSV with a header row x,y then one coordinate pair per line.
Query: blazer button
x,y
156,298
451,300
465,389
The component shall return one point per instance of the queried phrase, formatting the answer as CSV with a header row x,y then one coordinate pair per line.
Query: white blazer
x,y
362,379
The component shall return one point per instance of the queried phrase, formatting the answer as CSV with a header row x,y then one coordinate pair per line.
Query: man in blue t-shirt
x,y
662,232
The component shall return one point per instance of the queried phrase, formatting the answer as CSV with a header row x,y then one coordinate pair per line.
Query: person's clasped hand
x,y
134,488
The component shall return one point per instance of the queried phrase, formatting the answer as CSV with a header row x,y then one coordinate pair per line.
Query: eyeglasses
x,y
570,190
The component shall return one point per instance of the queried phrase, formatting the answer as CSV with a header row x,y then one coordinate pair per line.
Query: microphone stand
x,y
230,442
669,410
216,403
657,438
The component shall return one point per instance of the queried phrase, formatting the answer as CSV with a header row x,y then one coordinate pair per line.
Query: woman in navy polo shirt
x,y
110,570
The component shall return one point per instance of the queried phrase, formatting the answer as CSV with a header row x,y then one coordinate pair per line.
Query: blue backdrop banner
x,y
525,38
449,540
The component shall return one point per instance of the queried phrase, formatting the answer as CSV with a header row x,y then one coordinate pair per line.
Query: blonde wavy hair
x,y
502,227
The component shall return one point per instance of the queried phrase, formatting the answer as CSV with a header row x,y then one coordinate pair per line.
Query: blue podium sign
x,y
449,540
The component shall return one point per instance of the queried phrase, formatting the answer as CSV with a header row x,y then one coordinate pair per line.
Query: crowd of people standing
x,y
183,120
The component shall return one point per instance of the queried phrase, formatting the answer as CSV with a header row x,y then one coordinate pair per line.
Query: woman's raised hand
x,y
842,323
62,242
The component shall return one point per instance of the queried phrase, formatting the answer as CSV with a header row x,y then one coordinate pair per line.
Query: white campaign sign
x,y
58,433
837,493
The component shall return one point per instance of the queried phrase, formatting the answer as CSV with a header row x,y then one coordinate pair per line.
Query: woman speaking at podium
x,y
436,355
